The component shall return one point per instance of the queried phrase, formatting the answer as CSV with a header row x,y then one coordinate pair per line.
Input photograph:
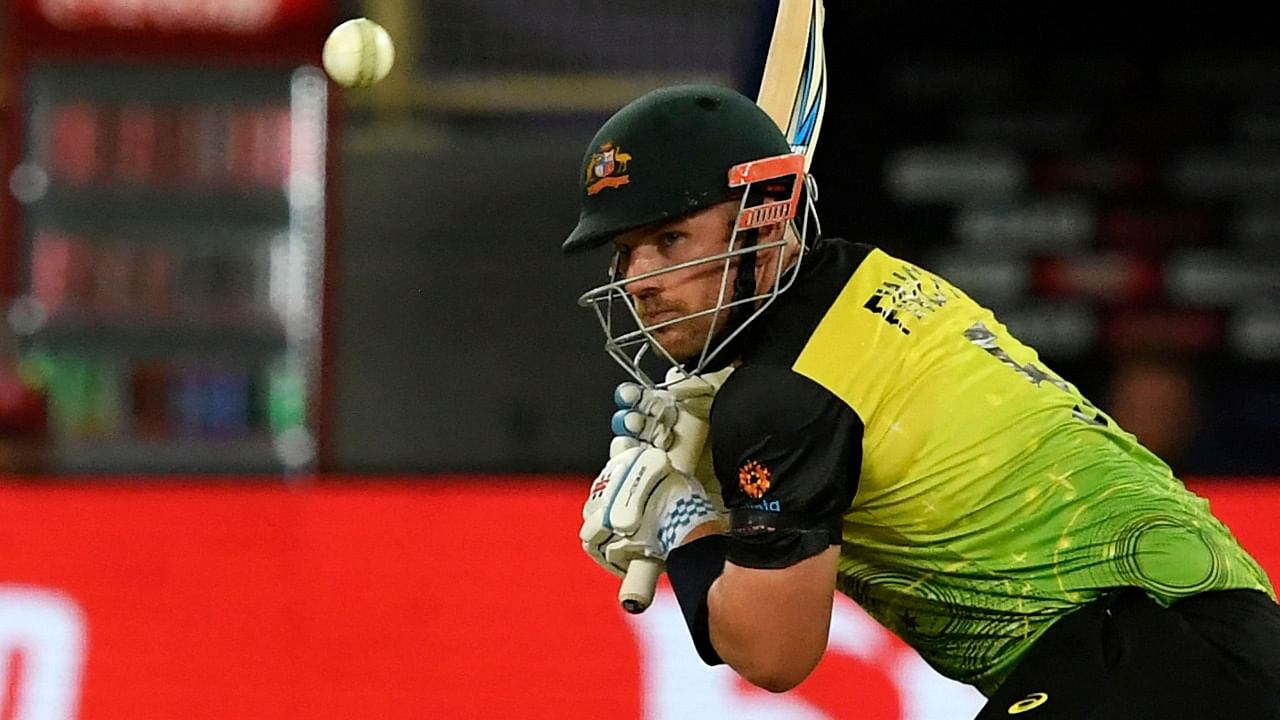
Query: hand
x,y
641,507
676,419
672,419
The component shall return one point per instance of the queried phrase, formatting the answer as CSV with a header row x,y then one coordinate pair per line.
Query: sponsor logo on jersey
x,y
765,505
909,293
607,169
754,479
1030,702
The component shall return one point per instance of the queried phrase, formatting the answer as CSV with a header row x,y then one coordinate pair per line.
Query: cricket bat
x,y
793,91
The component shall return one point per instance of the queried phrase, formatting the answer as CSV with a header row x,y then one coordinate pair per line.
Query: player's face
x,y
667,296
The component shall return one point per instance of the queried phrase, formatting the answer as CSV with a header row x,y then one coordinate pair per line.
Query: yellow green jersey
x,y
975,495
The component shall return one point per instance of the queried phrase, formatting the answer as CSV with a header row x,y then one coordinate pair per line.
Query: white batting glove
x,y
647,415
640,506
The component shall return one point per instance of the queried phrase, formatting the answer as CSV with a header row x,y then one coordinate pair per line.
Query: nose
x,y
640,261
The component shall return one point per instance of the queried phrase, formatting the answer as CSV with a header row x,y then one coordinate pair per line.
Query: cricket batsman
x,y
878,433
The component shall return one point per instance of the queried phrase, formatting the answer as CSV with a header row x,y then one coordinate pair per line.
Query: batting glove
x,y
640,506
650,416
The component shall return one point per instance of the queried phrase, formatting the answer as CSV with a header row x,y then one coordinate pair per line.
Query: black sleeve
x,y
692,569
787,454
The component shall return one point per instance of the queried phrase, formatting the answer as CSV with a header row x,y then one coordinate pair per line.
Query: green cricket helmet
x,y
671,153
666,155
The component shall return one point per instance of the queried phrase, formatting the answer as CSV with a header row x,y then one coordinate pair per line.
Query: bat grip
x,y
641,581
636,593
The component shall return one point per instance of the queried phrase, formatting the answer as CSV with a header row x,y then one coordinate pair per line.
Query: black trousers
x,y
1124,657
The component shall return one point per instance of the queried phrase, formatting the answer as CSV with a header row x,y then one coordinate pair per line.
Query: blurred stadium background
x,y
296,402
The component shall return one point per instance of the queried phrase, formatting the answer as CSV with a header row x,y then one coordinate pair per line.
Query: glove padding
x,y
640,506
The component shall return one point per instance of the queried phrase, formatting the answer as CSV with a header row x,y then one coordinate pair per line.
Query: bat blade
x,y
793,89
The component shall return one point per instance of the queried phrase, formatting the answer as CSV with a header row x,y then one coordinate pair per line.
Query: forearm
x,y
768,625
771,626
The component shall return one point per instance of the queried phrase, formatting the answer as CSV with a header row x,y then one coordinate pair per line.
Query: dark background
x,y
1105,178
461,346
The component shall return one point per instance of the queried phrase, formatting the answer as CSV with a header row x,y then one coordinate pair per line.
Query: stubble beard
x,y
684,341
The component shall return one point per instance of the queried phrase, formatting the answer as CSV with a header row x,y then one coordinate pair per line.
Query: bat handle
x,y
636,593
641,581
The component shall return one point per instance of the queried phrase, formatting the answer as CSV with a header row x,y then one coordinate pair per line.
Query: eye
x,y
670,238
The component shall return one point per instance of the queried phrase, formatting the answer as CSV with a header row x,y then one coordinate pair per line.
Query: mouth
x,y
657,318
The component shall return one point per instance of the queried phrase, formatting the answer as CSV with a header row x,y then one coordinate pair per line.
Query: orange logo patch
x,y
753,478
607,169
